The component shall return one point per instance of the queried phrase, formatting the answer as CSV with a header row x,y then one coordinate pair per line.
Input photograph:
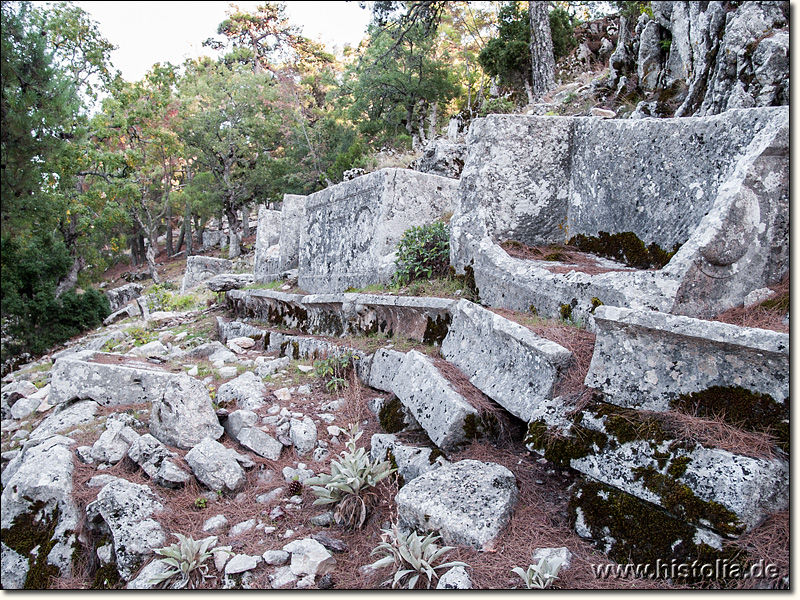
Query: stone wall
x,y
352,229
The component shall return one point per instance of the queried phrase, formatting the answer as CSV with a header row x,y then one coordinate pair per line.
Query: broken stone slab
x,y
309,557
113,445
385,364
183,414
123,382
119,297
238,420
212,351
438,408
216,466
156,460
506,361
261,443
126,511
229,281
303,435
232,329
630,530
410,461
267,236
37,505
241,563
65,418
293,223
131,311
247,392
468,503
636,453
13,568
352,229
647,360
202,268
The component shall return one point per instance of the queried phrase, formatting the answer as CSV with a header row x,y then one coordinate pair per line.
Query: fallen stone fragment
x,y
183,415
216,466
309,557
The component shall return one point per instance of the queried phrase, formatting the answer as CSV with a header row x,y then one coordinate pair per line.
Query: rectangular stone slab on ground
x,y
506,361
647,359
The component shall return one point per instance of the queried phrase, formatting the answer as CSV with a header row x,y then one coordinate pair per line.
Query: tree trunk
x,y
529,91
542,59
187,225
150,255
181,236
70,280
198,228
168,217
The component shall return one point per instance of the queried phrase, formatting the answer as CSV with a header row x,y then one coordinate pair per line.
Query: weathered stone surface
x,y
238,420
13,392
66,418
246,391
155,459
107,384
563,555
13,568
731,217
112,446
411,461
267,235
232,329
229,281
708,487
201,268
303,435
154,348
216,466
506,361
293,223
422,319
241,563
126,509
259,442
385,365
183,415
144,580
468,502
309,557
437,407
119,297
37,497
352,229
441,157
455,578
645,359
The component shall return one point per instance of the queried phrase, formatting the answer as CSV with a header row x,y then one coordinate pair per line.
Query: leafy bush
x,y
423,252
350,485
540,576
186,559
496,106
335,370
412,556
162,298
562,27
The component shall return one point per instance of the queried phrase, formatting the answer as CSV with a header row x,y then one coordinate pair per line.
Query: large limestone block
x,y
506,361
246,392
127,509
122,382
385,365
183,415
647,359
267,235
119,297
438,408
353,228
636,453
37,504
293,221
201,268
468,502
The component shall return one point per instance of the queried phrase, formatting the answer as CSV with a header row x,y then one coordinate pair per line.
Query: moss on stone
x,y
392,417
471,291
635,531
595,303
565,310
677,498
628,425
436,329
106,578
625,247
35,530
678,466
579,442
743,408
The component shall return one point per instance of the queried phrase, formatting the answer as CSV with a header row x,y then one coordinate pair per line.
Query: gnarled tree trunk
x,y
543,71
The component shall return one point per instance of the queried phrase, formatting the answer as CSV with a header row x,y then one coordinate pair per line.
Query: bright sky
x,y
151,32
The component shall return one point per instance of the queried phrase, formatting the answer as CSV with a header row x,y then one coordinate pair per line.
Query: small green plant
x,y
540,576
423,252
412,557
140,335
200,503
351,482
186,560
335,369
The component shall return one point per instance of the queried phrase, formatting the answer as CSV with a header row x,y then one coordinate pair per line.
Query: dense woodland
x,y
95,169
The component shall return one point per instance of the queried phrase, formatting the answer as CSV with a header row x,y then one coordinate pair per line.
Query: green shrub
x,y
561,28
496,106
335,369
423,252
